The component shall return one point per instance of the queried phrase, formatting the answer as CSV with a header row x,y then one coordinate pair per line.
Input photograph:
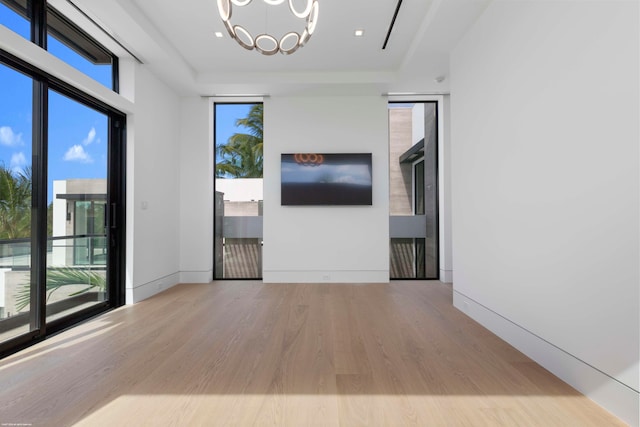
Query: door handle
x,y
113,221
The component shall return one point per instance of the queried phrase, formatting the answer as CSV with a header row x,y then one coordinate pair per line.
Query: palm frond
x,y
60,277
242,154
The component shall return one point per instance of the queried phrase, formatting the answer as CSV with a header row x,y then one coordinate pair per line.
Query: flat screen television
x,y
326,179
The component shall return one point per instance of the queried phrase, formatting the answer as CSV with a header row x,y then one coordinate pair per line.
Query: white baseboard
x,y
149,289
617,398
196,276
359,276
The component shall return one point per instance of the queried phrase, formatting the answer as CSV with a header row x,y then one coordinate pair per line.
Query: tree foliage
x,y
242,155
15,203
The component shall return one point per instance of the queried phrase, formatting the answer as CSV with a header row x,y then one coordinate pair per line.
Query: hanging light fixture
x,y
264,43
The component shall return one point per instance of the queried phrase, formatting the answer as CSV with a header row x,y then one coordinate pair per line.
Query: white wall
x,y
153,131
196,190
545,111
444,189
59,226
328,243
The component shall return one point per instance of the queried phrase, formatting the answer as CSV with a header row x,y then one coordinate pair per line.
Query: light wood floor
x,y
246,353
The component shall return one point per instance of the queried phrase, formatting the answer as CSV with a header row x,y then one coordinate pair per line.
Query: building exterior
x,y
79,207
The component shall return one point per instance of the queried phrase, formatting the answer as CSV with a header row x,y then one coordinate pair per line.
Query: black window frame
x,y
216,224
436,216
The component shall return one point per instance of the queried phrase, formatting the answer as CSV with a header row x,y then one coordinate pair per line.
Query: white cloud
x,y
9,138
77,154
91,136
18,161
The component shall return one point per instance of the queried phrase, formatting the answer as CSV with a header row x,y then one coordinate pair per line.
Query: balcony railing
x,y
78,253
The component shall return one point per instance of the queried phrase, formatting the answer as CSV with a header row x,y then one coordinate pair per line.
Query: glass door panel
x,y
238,191
77,196
413,191
16,283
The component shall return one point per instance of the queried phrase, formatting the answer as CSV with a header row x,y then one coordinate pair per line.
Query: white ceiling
x,y
176,40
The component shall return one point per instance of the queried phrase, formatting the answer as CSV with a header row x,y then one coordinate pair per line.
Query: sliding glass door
x,y
61,207
77,198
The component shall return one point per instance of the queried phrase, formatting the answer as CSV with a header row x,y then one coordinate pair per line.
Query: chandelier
x,y
264,43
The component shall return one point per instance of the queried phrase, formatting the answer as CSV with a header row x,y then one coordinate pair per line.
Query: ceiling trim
x,y
240,97
104,30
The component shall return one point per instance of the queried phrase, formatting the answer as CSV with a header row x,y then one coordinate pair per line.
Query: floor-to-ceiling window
x,y
61,183
238,191
413,199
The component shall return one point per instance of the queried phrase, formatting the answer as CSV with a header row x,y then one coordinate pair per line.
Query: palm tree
x,y
242,155
15,203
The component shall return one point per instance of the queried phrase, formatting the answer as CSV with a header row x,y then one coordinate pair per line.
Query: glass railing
x,y
76,274
238,237
76,278
15,276
15,253
85,250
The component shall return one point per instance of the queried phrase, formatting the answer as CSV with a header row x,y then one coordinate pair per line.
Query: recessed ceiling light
x,y
218,34
359,33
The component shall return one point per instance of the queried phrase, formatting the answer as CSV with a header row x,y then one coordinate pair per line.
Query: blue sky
x,y
226,116
77,134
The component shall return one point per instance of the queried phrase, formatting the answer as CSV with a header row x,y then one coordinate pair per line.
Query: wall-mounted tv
x,y
326,179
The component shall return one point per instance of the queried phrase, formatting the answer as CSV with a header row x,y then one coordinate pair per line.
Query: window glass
x,y
413,190
15,16
77,194
67,42
15,202
238,191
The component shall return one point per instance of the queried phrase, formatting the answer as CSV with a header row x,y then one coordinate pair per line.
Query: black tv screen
x,y
326,179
